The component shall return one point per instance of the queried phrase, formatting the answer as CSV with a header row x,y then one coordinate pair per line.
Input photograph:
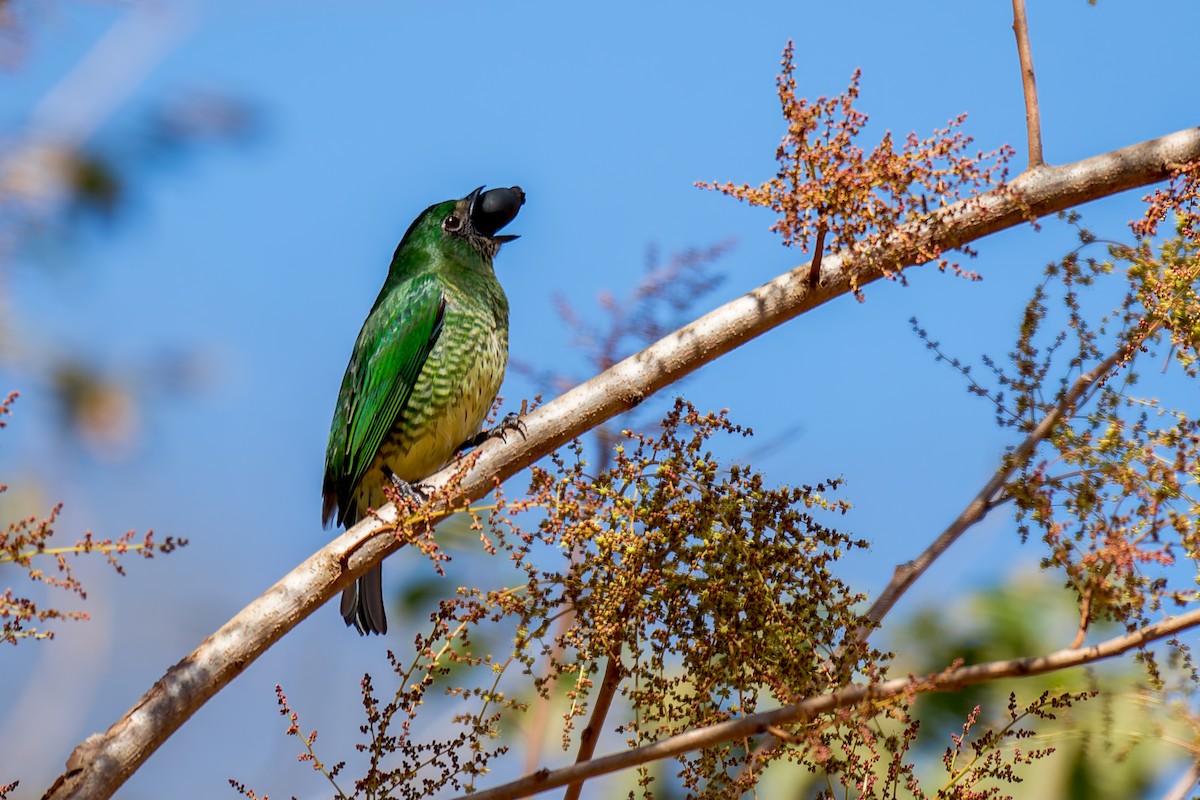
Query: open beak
x,y
491,210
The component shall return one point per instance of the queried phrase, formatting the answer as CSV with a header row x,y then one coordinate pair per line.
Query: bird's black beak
x,y
492,210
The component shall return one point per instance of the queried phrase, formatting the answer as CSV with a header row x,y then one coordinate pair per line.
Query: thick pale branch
x,y
857,694
102,763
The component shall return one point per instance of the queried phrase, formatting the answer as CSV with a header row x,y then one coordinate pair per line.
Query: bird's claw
x,y
412,492
511,422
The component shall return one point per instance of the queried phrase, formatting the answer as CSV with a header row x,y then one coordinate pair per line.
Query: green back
x,y
392,348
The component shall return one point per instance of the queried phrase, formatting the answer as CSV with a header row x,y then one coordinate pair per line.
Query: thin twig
x,y
1033,119
814,269
591,734
906,574
1085,618
540,712
856,694
614,673
606,441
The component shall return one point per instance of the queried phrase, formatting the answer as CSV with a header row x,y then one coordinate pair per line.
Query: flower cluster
x,y
831,195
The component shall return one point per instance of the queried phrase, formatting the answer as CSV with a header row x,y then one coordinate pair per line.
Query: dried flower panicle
x,y
1181,197
1112,489
689,593
831,195
982,763
697,591
26,544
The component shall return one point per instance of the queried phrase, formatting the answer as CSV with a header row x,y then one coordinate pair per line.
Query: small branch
x,y
807,710
1085,618
1033,119
907,574
814,269
591,734
779,733
101,764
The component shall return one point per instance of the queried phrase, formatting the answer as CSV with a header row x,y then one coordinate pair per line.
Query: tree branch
x,y
814,270
907,574
809,709
102,763
591,734
1033,118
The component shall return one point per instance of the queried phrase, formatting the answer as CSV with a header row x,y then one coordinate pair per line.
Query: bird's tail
x,y
362,603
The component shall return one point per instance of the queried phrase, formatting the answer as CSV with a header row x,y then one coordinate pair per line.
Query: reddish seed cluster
x,y
1111,487
829,192
1181,197
27,544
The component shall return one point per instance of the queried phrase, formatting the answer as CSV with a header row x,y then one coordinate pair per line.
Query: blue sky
x,y
266,257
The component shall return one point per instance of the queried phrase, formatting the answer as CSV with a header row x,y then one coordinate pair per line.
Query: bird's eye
x,y
452,223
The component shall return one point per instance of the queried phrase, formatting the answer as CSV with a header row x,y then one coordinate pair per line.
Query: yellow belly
x,y
449,404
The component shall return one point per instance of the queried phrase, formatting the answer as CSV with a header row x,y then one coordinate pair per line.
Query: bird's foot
x,y
414,493
511,422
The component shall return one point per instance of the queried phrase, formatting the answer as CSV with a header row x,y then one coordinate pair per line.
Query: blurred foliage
x,y
100,407
14,23
58,175
1115,746
101,178
56,189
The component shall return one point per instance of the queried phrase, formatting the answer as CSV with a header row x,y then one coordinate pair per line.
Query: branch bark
x,y
103,762
809,709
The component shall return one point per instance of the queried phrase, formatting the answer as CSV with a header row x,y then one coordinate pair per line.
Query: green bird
x,y
425,369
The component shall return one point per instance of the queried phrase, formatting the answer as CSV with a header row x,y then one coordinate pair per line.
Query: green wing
x,y
392,347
